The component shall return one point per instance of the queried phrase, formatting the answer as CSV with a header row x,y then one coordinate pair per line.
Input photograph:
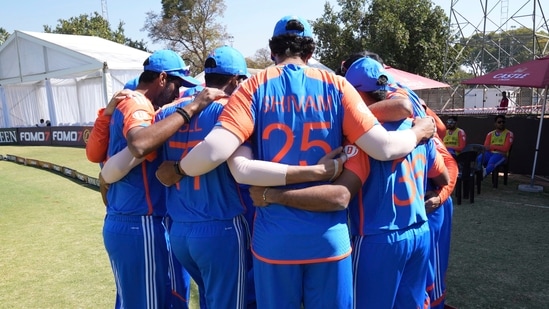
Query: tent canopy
x,y
533,73
64,78
414,81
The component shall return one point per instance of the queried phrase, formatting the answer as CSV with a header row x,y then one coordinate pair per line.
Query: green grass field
x,y
52,252
52,249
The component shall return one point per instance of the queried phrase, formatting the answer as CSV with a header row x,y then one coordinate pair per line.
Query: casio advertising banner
x,y
46,136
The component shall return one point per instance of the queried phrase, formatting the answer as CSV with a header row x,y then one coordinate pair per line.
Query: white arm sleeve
x,y
256,172
215,149
119,165
382,145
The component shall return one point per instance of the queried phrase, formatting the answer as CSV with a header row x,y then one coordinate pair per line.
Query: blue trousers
x,y
390,269
137,250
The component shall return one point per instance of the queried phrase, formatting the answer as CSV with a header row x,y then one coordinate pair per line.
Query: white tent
x,y
63,78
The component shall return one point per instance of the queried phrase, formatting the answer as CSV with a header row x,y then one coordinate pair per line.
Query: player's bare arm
x,y
391,109
144,140
321,198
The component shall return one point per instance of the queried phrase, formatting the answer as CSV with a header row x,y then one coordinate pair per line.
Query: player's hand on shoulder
x,y
167,174
117,98
205,97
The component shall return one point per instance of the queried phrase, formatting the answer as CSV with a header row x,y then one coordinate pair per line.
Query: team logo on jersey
x,y
141,115
350,150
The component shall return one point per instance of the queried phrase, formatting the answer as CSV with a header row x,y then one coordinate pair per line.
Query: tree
x,y
4,34
94,25
408,34
260,60
339,33
189,27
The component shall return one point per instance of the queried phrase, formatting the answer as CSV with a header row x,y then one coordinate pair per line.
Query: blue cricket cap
x,y
132,83
364,73
227,61
283,26
168,61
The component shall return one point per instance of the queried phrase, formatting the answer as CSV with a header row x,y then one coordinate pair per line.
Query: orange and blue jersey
x,y
208,216
137,192
393,198
499,142
417,108
295,115
211,196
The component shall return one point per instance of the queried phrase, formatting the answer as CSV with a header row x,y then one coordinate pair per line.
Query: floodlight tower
x,y
503,31
104,11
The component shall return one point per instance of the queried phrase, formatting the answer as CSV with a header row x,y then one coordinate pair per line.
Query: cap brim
x,y
187,81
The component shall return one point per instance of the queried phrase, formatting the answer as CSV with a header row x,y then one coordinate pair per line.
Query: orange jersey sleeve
x,y
358,162
357,119
98,142
446,191
441,128
137,111
487,140
462,140
438,166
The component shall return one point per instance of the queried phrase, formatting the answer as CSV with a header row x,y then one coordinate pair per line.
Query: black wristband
x,y
177,169
183,114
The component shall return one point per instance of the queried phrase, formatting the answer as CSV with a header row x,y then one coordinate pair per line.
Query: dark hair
x,y
499,117
503,93
216,80
378,95
148,76
454,118
346,64
290,45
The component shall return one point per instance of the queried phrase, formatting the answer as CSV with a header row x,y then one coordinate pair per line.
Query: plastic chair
x,y
465,185
504,168
480,149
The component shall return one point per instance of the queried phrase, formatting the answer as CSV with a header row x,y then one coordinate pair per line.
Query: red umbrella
x,y
414,81
533,73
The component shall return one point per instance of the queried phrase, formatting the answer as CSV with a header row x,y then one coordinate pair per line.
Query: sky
x,y
250,22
